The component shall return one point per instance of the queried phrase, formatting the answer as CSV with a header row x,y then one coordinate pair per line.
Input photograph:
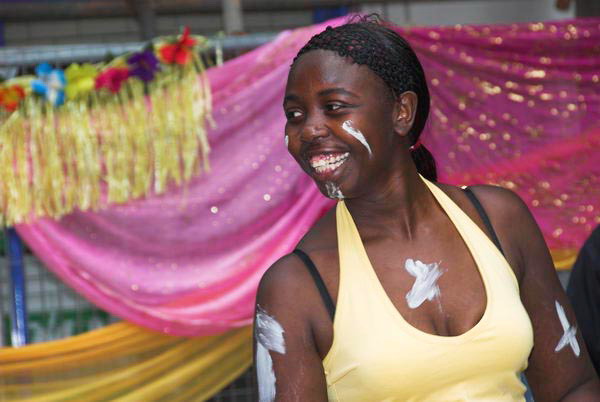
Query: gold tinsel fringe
x,y
105,148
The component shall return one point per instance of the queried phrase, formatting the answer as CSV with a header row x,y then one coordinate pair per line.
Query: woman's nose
x,y
313,128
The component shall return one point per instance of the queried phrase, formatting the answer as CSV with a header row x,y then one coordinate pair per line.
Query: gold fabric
x,y
123,362
564,258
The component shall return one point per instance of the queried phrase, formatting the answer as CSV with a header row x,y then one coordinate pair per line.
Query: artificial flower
x,y
143,65
179,52
81,79
10,96
50,83
112,78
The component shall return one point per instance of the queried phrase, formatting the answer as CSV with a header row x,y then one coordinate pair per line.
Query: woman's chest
x,y
435,285
436,288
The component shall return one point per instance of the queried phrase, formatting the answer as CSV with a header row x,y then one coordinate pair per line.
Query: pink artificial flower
x,y
112,78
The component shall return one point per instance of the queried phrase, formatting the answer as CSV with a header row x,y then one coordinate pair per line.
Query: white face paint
x,y
287,141
569,336
425,287
349,128
333,191
269,337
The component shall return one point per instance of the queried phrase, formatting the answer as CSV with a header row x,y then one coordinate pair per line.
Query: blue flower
x,y
50,83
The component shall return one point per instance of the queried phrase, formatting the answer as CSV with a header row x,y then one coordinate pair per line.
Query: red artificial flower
x,y
112,78
179,52
11,96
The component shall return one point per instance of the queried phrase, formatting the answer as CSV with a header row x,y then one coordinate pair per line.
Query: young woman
x,y
407,290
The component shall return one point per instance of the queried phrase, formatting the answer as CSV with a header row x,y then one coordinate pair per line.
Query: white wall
x,y
468,11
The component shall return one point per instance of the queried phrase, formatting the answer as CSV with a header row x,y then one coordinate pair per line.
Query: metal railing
x,y
28,56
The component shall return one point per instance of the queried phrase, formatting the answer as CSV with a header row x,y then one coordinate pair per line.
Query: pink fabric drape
x,y
516,105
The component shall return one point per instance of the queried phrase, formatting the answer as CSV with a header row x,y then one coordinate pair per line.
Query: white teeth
x,y
322,164
330,167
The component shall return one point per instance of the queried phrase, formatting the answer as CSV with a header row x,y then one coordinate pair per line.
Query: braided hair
x,y
371,42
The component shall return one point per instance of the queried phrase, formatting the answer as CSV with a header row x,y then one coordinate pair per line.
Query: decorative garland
x,y
106,133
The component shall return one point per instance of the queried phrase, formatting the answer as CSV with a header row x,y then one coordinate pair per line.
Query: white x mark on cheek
x,y
425,286
570,333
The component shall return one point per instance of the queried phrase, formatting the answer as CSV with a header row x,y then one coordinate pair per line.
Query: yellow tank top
x,y
377,356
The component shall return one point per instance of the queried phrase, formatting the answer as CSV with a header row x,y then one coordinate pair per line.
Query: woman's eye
x,y
333,106
292,114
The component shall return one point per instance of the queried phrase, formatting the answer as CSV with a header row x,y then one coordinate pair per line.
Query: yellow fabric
x,y
126,363
377,356
564,258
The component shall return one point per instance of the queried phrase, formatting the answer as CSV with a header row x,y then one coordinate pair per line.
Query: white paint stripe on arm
x,y
269,337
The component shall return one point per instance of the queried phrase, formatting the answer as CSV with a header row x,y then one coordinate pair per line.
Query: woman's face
x,y
342,124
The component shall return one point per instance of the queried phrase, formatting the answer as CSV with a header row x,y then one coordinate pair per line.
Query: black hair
x,y
370,41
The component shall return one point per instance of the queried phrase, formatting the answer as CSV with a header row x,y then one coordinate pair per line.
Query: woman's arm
x,y
559,366
287,364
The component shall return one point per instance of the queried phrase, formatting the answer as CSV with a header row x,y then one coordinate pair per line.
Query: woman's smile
x,y
326,166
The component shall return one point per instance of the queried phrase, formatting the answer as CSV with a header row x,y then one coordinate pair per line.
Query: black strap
x,y
484,216
318,281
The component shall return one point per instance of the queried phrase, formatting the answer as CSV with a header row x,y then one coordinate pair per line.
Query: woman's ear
x,y
405,109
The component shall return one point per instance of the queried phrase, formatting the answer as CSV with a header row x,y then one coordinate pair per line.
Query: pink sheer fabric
x,y
516,105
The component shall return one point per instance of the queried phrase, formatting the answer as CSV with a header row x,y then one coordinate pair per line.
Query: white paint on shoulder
x,y
333,191
425,286
350,129
569,336
269,337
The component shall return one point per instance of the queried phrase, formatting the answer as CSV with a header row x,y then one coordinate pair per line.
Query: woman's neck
x,y
394,207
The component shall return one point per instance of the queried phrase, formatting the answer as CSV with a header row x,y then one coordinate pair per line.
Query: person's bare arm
x,y
287,365
559,366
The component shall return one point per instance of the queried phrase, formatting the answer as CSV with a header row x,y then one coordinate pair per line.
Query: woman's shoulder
x,y
501,204
290,274
287,274
288,292
508,214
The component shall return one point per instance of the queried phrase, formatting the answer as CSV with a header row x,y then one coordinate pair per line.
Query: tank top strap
x,y
350,246
470,232
356,271
483,215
